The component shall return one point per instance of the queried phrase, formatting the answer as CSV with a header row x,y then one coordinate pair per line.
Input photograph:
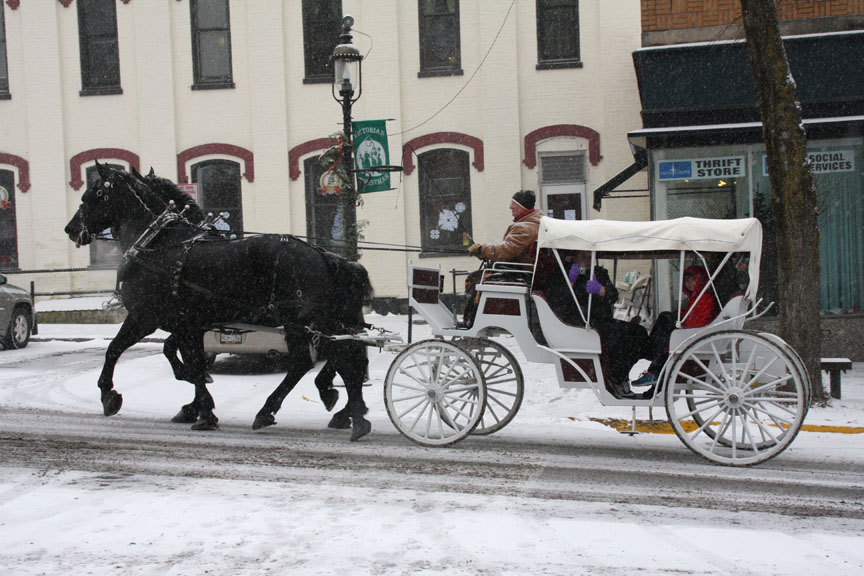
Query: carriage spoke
x,y
701,384
701,407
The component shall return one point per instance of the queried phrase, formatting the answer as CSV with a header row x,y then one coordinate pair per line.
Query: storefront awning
x,y
640,161
743,132
712,83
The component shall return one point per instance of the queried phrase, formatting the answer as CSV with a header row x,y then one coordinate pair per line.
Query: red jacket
x,y
706,308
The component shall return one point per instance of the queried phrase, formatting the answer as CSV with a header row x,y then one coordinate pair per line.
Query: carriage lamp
x,y
347,87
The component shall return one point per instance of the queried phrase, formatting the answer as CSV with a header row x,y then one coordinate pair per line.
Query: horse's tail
x,y
352,289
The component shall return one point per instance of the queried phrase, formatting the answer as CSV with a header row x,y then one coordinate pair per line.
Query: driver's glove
x,y
476,250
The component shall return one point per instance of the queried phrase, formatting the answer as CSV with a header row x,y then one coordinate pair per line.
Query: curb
x,y
663,427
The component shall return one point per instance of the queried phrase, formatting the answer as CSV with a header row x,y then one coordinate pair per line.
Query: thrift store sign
x,y
370,150
701,168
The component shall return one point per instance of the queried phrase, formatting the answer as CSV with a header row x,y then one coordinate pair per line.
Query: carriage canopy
x,y
689,234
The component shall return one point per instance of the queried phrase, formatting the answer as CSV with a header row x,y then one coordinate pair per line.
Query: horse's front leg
x,y
301,362
324,382
131,332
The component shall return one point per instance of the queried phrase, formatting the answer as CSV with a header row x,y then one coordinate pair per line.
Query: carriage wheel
x,y
736,398
435,393
504,383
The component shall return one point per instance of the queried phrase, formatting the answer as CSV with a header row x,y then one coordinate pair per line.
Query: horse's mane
x,y
168,191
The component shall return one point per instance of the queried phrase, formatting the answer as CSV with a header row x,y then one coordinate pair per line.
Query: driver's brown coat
x,y
517,242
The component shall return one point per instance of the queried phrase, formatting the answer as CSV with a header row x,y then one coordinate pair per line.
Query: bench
x,y
833,366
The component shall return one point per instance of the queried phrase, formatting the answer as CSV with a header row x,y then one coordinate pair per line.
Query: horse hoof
x,y
361,428
211,423
339,422
207,378
329,398
262,420
111,403
186,415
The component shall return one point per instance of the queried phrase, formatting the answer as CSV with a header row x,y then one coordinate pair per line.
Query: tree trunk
x,y
793,195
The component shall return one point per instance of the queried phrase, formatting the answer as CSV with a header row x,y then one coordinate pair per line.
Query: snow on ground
x,y
68,522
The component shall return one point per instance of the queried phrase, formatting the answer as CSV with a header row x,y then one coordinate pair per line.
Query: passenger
x,y
696,314
730,279
516,246
622,342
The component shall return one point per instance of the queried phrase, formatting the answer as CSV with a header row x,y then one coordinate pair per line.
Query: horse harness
x,y
268,313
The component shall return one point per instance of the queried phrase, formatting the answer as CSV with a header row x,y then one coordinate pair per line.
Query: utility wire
x,y
494,41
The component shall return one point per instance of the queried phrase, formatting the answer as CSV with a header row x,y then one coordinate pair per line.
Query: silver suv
x,y
17,315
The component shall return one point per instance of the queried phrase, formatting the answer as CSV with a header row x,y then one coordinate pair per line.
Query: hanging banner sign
x,y
824,162
701,168
370,150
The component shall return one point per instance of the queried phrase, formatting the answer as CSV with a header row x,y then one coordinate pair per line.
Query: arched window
x,y
325,219
219,191
104,253
8,222
445,199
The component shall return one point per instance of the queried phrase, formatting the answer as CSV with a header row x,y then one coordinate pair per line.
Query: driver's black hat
x,y
525,198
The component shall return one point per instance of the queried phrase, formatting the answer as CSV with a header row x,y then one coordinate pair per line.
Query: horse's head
x,y
107,203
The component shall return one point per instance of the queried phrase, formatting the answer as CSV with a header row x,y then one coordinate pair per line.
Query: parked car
x,y
17,315
228,341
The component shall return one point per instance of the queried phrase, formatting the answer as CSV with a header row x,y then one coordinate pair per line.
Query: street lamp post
x,y
347,77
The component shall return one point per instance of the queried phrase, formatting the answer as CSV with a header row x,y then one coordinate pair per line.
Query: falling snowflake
x,y
460,207
448,220
435,234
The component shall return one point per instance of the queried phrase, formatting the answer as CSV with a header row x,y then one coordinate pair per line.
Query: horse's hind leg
x,y
178,366
301,362
200,410
131,332
183,370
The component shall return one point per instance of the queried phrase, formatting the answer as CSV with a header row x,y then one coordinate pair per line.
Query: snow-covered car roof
x,y
692,234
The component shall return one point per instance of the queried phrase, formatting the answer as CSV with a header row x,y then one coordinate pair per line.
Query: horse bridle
x,y
84,236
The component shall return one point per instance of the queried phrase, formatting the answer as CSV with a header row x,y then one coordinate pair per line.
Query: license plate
x,y
230,338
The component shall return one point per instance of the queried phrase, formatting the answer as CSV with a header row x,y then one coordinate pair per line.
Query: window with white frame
x,y
445,200
219,192
563,178
440,51
558,34
322,23
99,49
4,68
211,44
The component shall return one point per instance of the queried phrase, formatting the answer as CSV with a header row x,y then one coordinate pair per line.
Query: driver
x,y
518,245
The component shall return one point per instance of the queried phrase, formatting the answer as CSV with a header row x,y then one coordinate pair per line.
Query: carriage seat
x,y
508,273
560,335
736,306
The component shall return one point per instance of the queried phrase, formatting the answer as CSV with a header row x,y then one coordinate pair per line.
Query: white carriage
x,y
734,396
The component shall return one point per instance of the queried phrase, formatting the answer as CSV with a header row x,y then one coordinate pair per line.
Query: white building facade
x,y
233,99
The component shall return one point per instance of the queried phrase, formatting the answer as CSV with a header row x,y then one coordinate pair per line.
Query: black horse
x,y
185,280
168,191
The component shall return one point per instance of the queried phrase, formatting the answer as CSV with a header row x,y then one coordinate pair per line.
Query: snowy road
x,y
553,493
577,470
